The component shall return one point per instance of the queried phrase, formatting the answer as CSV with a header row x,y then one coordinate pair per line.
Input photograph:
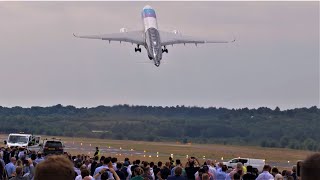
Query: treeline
x,y
296,128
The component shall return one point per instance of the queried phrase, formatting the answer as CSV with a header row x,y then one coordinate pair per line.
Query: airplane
x,y
152,39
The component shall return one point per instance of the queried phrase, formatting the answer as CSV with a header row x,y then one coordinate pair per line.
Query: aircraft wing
x,y
170,38
136,37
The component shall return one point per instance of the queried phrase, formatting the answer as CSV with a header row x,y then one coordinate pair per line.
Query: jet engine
x,y
123,30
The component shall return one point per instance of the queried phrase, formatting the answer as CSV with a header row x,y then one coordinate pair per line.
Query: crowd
x,y
19,164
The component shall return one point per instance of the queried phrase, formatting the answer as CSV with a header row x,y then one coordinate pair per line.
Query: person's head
x,y
206,169
278,177
84,173
96,158
208,162
97,148
13,160
274,171
119,165
178,162
239,166
18,162
55,167
19,171
201,171
102,159
294,168
159,164
284,172
114,160
145,163
236,176
249,169
178,171
105,176
138,161
224,168
151,164
138,171
106,161
205,176
310,167
146,170
168,164
87,178
267,168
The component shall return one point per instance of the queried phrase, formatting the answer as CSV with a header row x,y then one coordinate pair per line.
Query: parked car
x,y
255,163
52,146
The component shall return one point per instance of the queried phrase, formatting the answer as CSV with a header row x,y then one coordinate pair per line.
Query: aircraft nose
x,y
147,7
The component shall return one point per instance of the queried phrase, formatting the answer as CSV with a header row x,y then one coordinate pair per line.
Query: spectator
x,y
136,164
19,175
3,174
10,167
138,171
106,165
205,176
55,167
156,169
249,175
237,176
294,172
178,164
177,174
94,165
222,174
83,173
238,169
114,163
310,168
278,177
265,175
146,173
97,153
164,171
121,174
192,167
274,171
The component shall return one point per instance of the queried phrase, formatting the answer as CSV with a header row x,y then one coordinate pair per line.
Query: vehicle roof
x,y
19,134
247,158
53,139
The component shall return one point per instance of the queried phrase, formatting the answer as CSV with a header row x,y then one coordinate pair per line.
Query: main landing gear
x,y
137,49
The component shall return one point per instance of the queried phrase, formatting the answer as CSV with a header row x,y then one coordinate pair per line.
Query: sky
x,y
274,61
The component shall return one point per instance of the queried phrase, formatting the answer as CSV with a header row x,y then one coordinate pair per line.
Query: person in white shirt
x,y
265,175
105,165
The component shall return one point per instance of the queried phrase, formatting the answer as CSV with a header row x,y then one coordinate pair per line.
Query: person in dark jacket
x,y
178,173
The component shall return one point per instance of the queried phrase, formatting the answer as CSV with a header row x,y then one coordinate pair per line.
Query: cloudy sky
x,y
274,62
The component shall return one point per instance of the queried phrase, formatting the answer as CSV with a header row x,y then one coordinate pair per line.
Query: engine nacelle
x,y
176,32
123,30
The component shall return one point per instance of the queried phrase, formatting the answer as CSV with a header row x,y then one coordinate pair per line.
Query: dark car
x,y
52,146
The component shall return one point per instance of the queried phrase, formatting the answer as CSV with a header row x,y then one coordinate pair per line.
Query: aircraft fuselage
x,y
152,36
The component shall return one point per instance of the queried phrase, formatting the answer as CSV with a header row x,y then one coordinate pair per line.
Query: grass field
x,y
148,151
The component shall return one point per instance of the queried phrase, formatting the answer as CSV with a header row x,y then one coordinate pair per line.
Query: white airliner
x,y
154,40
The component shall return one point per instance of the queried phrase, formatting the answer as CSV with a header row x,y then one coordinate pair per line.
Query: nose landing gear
x,y
137,49
164,50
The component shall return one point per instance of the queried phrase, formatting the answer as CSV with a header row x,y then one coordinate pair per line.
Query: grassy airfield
x,y
160,151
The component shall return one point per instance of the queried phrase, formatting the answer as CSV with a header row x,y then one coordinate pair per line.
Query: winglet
x,y
75,35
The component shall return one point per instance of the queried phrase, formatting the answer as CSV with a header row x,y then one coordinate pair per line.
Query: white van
x,y
255,163
27,141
